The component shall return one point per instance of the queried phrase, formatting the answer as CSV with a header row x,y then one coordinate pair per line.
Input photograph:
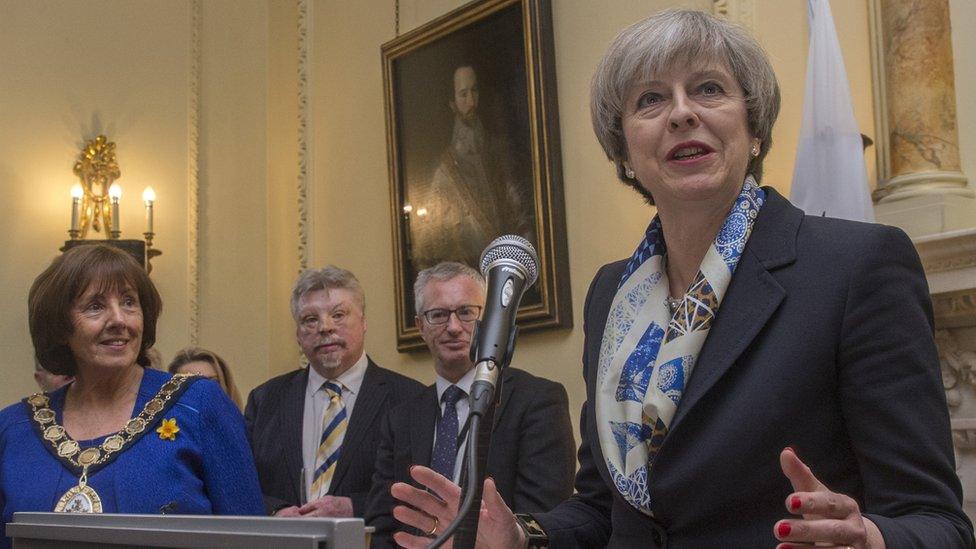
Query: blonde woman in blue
x,y
121,438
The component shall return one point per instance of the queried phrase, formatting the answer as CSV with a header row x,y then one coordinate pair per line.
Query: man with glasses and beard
x,y
532,449
314,431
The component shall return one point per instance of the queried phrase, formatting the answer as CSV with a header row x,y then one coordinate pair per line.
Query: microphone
x,y
510,266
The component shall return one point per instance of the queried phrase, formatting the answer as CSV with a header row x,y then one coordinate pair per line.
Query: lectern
x,y
84,531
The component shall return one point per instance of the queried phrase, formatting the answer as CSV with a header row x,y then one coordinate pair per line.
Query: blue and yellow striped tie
x,y
333,430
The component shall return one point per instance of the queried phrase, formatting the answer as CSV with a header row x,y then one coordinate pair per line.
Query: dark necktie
x,y
445,446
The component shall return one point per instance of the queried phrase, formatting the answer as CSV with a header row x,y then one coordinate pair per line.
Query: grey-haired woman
x,y
754,376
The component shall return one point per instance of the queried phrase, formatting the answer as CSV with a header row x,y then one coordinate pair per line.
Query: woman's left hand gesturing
x,y
827,517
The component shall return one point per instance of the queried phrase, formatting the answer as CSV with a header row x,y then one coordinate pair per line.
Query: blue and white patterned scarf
x,y
647,355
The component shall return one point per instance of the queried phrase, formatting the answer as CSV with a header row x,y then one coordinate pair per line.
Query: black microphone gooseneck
x,y
510,266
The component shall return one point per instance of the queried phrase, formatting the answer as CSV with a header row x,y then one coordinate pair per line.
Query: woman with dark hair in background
x,y
120,438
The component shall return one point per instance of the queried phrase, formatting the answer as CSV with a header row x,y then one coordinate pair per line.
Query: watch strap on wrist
x,y
533,530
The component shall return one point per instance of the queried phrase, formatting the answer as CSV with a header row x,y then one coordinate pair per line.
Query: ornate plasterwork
x,y
958,367
964,434
304,134
959,382
950,255
193,178
955,309
948,251
737,11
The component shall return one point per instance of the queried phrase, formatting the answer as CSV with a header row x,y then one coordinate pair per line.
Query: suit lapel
x,y
372,395
291,417
752,298
423,420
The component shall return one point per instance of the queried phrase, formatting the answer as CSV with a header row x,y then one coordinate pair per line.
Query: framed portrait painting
x,y
473,150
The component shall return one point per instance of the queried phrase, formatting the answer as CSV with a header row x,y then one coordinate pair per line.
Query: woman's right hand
x,y
433,509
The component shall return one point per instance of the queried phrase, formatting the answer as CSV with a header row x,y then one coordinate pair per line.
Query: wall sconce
x,y
96,199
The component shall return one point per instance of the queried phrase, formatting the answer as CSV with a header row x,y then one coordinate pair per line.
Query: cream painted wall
x,y
604,219
69,73
234,247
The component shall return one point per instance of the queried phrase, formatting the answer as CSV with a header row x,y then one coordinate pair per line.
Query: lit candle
x,y
115,193
76,193
149,196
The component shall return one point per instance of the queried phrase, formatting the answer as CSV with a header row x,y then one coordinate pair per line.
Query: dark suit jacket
x,y
274,426
530,458
824,343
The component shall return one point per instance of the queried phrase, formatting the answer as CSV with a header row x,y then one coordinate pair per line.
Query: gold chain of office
x,y
69,449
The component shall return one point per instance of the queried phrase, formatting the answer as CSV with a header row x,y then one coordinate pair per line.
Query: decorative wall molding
x,y
948,251
958,367
193,176
964,433
304,134
959,382
736,11
955,309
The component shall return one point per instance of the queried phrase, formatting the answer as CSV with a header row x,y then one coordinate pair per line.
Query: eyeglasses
x,y
465,313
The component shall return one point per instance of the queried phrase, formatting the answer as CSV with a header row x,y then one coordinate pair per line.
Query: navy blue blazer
x,y
274,414
824,343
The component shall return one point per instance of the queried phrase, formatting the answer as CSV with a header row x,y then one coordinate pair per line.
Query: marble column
x,y
921,101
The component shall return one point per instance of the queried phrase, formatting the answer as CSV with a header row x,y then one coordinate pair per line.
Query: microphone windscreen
x,y
512,248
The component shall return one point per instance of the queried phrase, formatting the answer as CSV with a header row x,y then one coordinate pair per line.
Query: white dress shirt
x,y
316,401
463,407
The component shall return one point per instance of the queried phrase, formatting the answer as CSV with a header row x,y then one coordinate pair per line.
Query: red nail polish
x,y
795,503
784,529
786,546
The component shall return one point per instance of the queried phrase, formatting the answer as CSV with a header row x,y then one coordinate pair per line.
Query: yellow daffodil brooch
x,y
168,429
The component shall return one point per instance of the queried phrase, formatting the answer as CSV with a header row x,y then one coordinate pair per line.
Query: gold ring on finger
x,y
433,529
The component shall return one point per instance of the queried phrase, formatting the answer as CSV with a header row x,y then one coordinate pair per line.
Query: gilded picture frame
x,y
473,151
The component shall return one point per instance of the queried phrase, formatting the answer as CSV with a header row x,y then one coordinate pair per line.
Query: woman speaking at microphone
x,y
121,438
754,377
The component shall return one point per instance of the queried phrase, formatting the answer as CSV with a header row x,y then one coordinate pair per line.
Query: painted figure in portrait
x,y
472,196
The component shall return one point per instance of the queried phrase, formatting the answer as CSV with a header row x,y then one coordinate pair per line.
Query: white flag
x,y
829,177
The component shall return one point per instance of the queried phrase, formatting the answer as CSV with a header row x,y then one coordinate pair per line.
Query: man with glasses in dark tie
x,y
314,430
532,449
